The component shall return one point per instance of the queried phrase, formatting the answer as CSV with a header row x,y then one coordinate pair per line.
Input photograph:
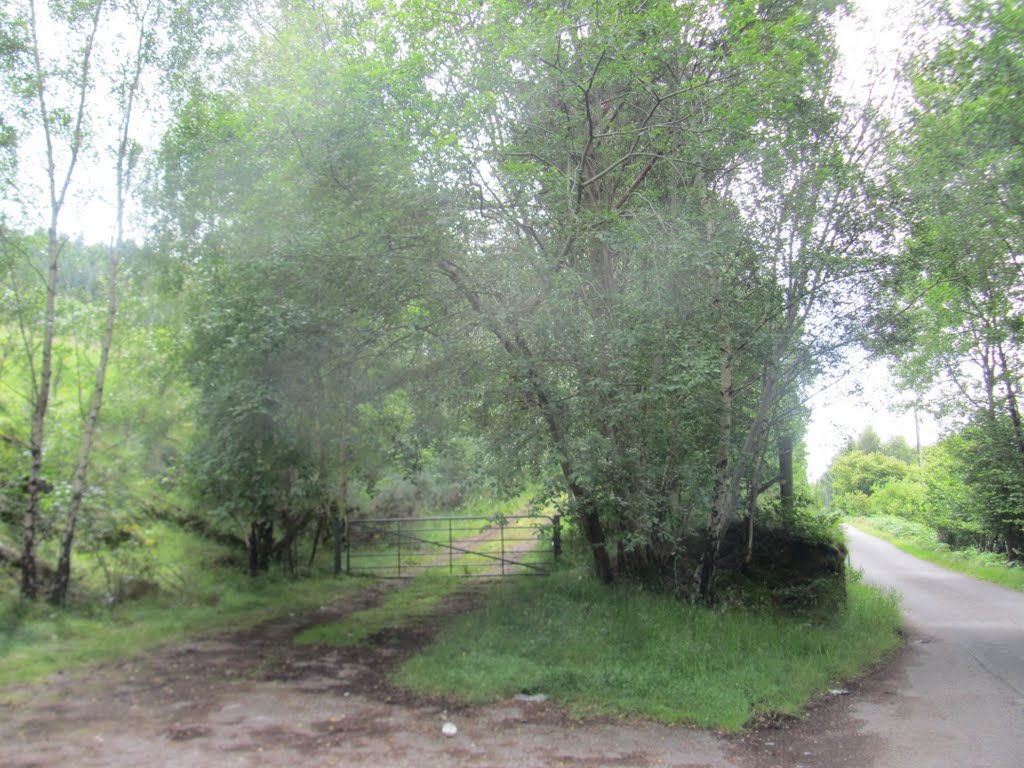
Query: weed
x,y
624,651
398,609
196,595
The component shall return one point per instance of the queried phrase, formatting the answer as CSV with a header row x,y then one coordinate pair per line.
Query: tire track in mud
x,y
253,698
211,694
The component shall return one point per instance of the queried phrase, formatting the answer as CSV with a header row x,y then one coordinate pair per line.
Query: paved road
x,y
959,698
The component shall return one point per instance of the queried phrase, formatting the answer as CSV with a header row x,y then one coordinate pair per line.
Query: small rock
x,y
538,697
449,729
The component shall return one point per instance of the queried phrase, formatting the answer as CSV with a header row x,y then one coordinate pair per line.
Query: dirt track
x,y
252,699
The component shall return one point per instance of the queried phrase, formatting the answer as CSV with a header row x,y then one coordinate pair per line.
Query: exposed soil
x,y
252,698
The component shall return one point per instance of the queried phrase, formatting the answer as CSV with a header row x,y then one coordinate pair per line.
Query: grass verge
x,y
920,541
198,593
624,651
398,609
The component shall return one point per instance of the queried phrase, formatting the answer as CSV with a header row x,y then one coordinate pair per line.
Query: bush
x,y
904,497
855,471
853,504
398,497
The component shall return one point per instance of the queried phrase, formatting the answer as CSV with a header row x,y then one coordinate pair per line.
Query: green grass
x,y
920,541
199,593
598,650
486,555
624,651
424,542
203,588
405,605
398,609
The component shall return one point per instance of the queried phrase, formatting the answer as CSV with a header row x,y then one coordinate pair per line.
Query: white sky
x,y
871,38
865,397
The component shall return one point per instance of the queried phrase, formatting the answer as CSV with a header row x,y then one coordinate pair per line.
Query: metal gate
x,y
404,547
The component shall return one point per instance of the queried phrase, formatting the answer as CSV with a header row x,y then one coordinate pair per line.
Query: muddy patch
x,y
252,698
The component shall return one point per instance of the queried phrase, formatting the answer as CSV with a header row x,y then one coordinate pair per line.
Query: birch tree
x,y
142,21
76,86
52,96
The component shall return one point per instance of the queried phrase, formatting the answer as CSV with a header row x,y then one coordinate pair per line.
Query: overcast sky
x,y
864,396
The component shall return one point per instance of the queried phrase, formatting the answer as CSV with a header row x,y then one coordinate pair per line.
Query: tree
x,y
957,336
646,296
55,95
291,202
144,19
972,493
868,441
78,75
623,235
858,472
950,317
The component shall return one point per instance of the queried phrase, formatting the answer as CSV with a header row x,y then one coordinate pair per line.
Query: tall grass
x,y
200,589
625,651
